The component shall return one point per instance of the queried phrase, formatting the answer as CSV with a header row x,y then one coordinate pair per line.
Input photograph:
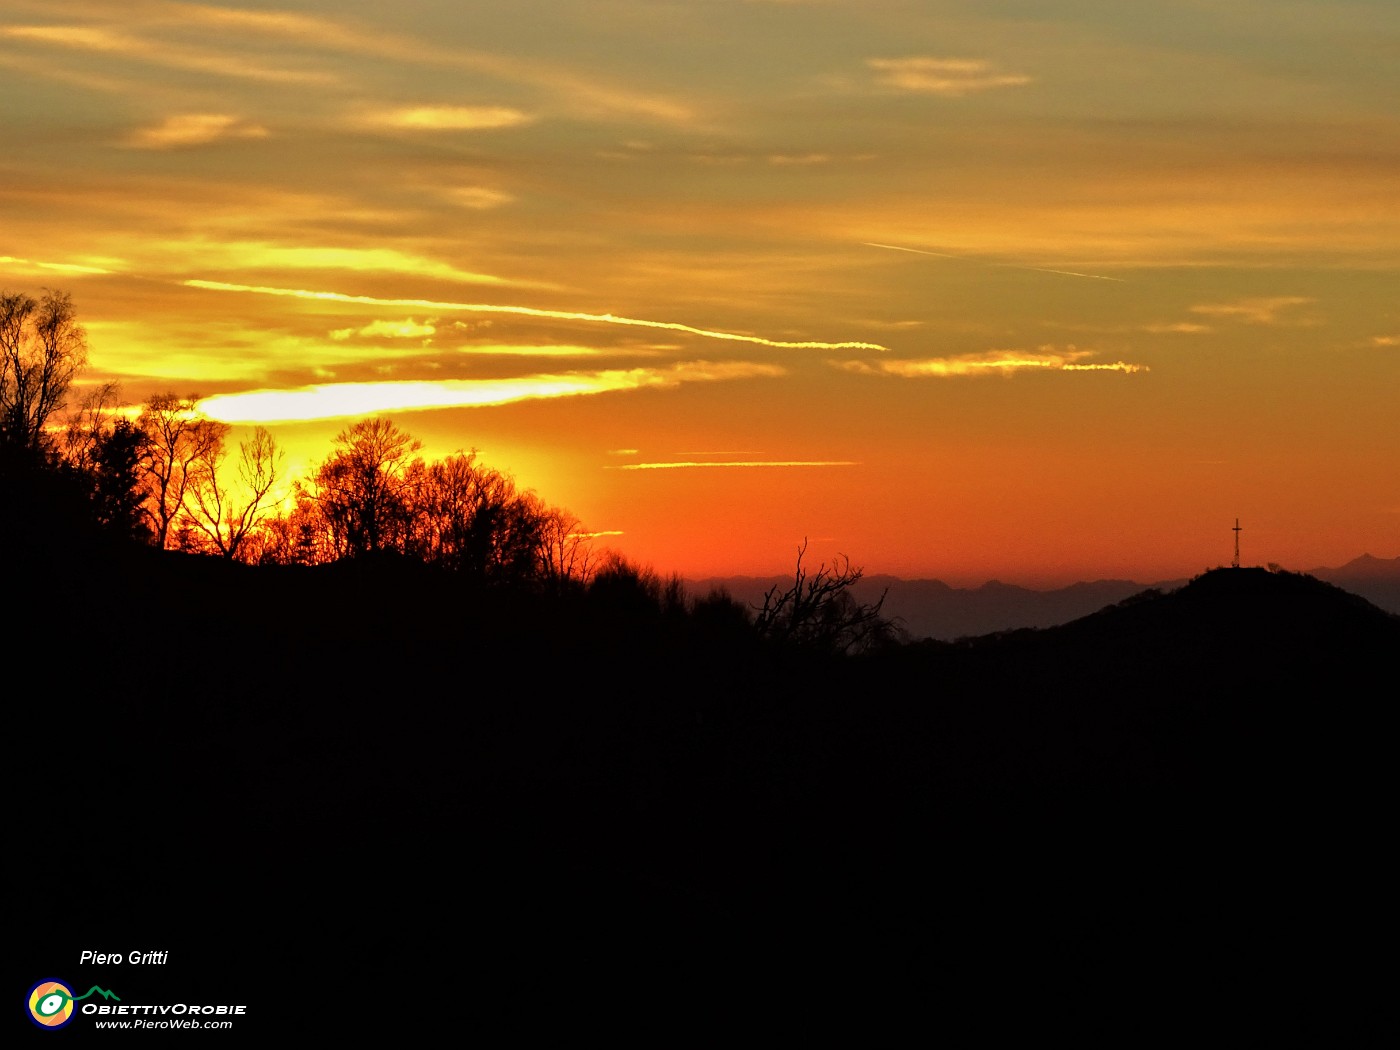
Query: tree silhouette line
x,y
164,477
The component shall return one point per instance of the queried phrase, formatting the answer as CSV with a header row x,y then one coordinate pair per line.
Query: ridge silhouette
x,y
625,785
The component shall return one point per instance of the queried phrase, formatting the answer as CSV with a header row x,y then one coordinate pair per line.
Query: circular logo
x,y
51,1004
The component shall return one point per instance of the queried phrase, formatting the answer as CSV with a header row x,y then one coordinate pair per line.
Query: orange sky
x,y
1039,292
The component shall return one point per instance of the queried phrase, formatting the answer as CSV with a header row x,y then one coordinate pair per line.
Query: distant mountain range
x,y
933,609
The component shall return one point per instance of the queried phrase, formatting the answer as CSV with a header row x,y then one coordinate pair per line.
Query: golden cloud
x,y
336,400
408,329
250,255
161,53
691,464
194,129
31,265
1255,311
478,198
447,118
942,76
992,362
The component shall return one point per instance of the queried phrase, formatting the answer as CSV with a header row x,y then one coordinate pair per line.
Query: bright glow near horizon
x,y
980,291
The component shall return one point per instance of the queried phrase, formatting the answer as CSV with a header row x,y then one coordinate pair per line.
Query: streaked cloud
x,y
1180,327
255,255
799,159
337,400
550,350
407,329
133,46
478,198
1256,310
446,118
992,362
999,265
942,76
34,264
701,464
194,129
1385,340
528,311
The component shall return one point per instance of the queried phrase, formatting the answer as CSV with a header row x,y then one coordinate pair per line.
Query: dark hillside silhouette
x,y
383,761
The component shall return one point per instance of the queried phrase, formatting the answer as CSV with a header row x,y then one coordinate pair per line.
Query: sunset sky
x,y
995,288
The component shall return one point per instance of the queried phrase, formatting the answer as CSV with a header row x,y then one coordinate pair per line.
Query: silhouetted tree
x,y
566,551
363,489
180,446
116,483
819,612
88,423
471,519
296,537
42,348
224,520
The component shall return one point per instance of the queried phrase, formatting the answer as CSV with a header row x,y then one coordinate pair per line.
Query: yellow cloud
x,y
942,76
30,265
784,159
161,53
993,362
581,94
408,329
194,129
1181,327
688,464
252,255
1254,311
560,350
335,400
479,198
447,118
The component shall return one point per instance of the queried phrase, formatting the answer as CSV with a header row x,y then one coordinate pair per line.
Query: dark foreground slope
x,y
370,777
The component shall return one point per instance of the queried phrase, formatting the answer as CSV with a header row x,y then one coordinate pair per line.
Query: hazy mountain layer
x,y
933,609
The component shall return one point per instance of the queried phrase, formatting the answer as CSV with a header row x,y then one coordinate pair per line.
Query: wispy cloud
x,y
338,400
527,311
702,464
194,129
582,94
162,53
1256,310
992,362
552,350
478,198
251,255
408,329
445,118
30,265
155,33
1179,328
1385,340
799,159
942,76
998,265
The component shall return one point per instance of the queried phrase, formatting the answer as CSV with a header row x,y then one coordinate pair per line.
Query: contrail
x,y
916,251
1067,273
1007,266
529,311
